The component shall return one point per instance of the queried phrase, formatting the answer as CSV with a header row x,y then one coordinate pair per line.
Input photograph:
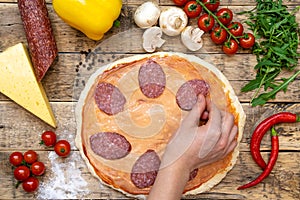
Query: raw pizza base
x,y
228,90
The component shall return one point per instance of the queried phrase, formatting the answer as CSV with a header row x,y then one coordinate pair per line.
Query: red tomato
x,y
230,47
247,41
236,28
225,16
16,158
211,5
180,2
192,9
206,22
21,173
62,148
218,35
38,168
30,156
30,184
48,138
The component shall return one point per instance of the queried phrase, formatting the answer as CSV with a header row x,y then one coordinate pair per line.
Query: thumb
x,y
193,117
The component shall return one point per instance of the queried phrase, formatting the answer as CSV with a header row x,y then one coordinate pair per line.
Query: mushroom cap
x,y
173,20
147,14
152,39
191,38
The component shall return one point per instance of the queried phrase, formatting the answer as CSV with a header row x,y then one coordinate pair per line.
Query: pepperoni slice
x,y
109,98
187,94
144,170
152,79
110,145
193,174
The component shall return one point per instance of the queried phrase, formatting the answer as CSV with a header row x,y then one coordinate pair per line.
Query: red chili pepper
x,y
262,128
270,165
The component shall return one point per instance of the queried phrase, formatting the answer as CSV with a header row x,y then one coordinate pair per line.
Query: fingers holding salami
x,y
187,94
38,30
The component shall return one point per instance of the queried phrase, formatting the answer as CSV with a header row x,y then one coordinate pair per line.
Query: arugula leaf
x,y
277,39
263,98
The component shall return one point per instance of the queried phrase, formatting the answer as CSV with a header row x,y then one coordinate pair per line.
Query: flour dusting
x,y
64,179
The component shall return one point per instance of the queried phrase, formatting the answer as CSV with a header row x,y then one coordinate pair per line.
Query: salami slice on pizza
x,y
129,110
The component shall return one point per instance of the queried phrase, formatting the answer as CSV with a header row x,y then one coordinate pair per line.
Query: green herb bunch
x,y
277,39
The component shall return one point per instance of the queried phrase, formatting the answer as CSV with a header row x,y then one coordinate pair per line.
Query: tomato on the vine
x,y
211,5
225,16
218,35
48,138
230,47
21,173
30,184
62,148
192,9
247,41
30,156
236,29
38,168
16,158
206,22
180,2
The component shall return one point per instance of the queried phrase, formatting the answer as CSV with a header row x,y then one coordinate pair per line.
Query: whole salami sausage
x,y
187,94
144,170
152,79
110,145
109,98
41,41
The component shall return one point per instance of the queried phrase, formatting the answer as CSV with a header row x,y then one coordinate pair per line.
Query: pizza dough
x,y
137,111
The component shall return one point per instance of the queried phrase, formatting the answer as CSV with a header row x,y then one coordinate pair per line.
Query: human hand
x,y
194,146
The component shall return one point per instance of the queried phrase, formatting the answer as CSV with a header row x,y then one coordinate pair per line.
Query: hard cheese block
x,y
18,82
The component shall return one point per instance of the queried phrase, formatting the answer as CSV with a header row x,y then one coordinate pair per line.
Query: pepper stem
x,y
274,132
298,118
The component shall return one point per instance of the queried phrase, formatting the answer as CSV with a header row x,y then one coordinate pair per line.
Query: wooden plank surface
x,y
70,178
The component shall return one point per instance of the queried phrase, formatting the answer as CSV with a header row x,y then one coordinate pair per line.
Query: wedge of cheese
x,y
18,82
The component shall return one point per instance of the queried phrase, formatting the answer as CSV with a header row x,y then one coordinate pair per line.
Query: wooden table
x,y
70,178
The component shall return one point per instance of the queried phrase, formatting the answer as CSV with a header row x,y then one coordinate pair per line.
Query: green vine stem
x,y
217,19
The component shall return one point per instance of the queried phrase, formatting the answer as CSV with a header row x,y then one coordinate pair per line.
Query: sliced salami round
x,y
187,94
144,170
193,174
152,79
110,145
109,98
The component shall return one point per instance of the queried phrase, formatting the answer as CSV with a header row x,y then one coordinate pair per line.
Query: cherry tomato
x,y
218,35
16,158
48,138
62,148
21,173
211,5
225,16
236,28
30,156
192,9
30,184
38,168
180,2
206,22
247,41
230,47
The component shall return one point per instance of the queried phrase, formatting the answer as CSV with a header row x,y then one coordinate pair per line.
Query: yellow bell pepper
x,y
92,17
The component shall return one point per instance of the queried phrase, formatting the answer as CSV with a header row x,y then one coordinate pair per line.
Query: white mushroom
x,y
172,20
191,38
152,39
147,14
